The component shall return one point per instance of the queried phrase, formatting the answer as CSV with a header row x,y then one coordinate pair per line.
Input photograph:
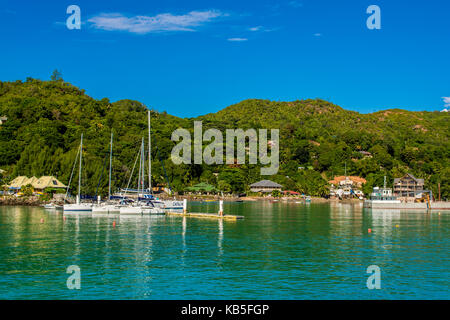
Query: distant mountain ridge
x,y
46,118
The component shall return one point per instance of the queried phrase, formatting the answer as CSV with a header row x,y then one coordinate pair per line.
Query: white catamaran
x,y
78,206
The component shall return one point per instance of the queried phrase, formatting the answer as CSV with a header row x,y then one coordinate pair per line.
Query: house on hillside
x,y
365,154
408,187
346,186
265,186
3,120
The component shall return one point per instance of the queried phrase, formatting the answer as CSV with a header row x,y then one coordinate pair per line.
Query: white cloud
x,y
255,28
237,39
317,34
159,23
446,101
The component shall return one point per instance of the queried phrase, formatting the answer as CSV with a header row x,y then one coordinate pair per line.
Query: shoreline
x,y
34,201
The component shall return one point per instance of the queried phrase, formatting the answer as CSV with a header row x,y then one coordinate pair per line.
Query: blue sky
x,y
195,57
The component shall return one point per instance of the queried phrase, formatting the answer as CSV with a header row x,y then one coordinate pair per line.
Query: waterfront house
x,y
17,183
265,186
408,187
48,182
38,184
346,186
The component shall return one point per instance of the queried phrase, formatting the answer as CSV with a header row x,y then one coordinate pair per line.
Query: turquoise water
x,y
279,251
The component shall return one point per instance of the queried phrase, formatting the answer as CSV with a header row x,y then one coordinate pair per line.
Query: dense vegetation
x,y
46,119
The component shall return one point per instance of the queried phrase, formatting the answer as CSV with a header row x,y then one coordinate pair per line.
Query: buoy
x,y
64,218
114,224
369,230
42,220
396,225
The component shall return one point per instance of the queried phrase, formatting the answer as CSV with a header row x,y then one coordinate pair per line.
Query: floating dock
x,y
205,215
218,215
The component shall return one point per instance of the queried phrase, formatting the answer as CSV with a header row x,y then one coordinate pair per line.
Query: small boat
x,y
308,199
52,206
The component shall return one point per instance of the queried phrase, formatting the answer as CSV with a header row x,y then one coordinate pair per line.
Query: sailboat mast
x,y
143,166
149,155
110,166
140,171
79,175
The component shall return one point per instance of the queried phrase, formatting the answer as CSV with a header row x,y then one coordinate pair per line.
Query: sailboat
x,y
142,206
167,205
78,206
107,207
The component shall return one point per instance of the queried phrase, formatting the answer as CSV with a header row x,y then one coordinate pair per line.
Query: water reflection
x,y
279,251
220,239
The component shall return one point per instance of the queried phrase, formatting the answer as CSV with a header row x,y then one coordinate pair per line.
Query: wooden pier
x,y
205,215
218,215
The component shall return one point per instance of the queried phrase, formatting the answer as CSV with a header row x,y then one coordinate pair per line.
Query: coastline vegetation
x,y
318,140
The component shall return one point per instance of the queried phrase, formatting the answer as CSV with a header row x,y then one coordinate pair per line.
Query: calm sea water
x,y
279,251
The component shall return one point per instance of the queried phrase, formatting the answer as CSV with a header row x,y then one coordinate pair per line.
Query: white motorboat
x,y
168,205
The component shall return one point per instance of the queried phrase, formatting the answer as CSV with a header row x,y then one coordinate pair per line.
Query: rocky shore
x,y
22,201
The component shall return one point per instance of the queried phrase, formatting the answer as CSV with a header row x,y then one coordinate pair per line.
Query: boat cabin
x,y
382,194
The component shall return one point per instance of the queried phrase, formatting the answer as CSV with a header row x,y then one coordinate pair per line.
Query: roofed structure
x,y
39,184
48,182
18,182
408,186
265,186
354,180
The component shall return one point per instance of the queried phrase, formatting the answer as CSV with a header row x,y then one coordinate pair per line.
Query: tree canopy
x,y
46,119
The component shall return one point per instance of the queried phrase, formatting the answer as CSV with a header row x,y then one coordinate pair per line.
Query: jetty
x,y
218,215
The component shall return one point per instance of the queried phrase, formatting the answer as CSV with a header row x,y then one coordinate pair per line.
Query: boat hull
x,y
106,209
70,208
141,211
396,204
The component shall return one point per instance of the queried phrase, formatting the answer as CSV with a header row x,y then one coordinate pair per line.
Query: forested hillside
x,y
46,119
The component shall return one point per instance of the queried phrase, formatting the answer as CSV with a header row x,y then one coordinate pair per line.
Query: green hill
x,y
46,119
